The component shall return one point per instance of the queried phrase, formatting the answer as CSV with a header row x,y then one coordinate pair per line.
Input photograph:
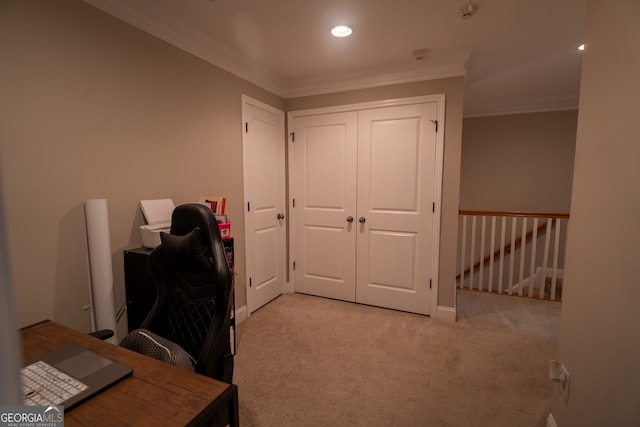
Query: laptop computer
x,y
68,376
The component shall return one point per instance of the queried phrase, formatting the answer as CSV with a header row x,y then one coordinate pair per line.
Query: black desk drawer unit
x,y
139,287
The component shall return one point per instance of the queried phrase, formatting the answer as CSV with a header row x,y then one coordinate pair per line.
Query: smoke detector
x,y
420,54
467,11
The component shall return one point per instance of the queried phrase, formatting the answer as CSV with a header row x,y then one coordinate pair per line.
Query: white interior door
x,y
366,188
265,206
324,193
396,164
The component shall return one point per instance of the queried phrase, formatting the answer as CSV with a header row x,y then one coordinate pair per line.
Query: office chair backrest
x,y
195,290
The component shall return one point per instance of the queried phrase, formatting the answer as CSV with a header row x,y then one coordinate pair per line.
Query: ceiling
x,y
516,55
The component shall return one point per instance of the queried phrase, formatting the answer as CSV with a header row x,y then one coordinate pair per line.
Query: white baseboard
x,y
447,314
288,288
551,422
241,314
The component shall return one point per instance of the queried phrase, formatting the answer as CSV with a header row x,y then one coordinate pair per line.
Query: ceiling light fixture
x,y
341,31
581,47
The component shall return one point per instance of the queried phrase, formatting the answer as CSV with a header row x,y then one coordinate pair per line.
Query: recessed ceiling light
x,y
341,31
581,47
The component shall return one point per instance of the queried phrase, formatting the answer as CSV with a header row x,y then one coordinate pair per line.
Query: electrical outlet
x,y
558,373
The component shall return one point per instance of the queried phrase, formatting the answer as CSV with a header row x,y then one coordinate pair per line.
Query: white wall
x,y
599,337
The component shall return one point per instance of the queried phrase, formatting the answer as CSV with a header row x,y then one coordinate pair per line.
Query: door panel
x,y
322,260
265,238
396,157
266,244
326,150
325,195
387,249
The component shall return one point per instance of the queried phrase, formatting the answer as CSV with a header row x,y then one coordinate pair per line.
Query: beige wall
x,y
453,89
94,108
518,162
599,338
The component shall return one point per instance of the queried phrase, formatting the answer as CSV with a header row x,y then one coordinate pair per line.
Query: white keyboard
x,y
45,385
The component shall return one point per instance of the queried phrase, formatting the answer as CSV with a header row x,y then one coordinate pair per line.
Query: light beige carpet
x,y
309,361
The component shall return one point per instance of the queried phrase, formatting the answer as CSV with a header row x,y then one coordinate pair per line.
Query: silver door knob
x,y
280,216
362,220
349,219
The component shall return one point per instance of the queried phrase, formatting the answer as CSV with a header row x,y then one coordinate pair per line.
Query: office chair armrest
x,y
103,334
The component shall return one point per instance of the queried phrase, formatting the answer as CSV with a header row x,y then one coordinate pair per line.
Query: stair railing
x,y
495,259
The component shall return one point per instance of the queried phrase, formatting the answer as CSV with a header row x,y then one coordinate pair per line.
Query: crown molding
x,y
452,65
190,41
522,106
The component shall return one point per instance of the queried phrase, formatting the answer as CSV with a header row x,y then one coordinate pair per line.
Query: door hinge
x,y
293,137
293,201
246,127
250,282
434,207
430,283
436,123
248,206
294,265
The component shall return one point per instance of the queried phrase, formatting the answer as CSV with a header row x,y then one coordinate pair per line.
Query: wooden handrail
x,y
518,241
559,215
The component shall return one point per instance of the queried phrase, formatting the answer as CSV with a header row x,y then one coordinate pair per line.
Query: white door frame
x,y
439,169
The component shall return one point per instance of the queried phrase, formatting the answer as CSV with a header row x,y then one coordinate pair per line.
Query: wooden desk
x,y
156,394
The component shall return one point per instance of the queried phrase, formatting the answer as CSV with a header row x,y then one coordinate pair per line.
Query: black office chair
x,y
189,322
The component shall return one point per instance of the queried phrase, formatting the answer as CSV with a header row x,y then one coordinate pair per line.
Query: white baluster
x,y
532,264
523,241
463,251
545,258
483,229
512,255
492,250
472,256
502,237
556,255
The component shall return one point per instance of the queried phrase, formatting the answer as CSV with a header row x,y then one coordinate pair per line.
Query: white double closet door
x,y
363,186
